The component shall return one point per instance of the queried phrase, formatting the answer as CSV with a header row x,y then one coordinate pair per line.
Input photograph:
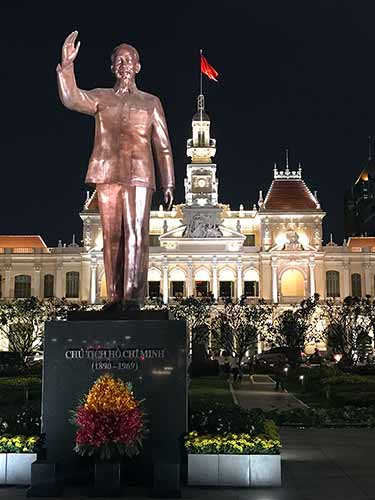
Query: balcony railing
x,y
23,250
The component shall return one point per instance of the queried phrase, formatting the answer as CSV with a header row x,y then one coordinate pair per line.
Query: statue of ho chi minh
x,y
129,124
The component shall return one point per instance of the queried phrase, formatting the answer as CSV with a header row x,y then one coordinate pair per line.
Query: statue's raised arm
x,y
71,96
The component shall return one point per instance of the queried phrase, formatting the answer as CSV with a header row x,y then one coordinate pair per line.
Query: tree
x,y
197,314
22,322
295,327
239,326
349,328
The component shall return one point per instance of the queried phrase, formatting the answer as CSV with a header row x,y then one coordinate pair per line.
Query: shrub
x,y
217,418
24,421
347,416
313,377
359,399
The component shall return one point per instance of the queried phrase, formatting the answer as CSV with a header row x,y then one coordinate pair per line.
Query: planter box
x,y
265,470
203,470
15,468
234,470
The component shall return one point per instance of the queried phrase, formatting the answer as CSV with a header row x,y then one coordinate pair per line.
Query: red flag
x,y
207,69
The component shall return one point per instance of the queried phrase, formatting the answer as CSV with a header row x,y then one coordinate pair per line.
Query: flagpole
x,y
200,72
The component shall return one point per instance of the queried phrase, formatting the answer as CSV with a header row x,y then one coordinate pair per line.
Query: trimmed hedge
x,y
234,419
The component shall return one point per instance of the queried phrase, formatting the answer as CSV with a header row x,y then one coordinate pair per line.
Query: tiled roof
x,y
361,241
23,241
290,195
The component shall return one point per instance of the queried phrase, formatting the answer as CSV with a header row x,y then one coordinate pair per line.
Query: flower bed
x,y
17,453
233,460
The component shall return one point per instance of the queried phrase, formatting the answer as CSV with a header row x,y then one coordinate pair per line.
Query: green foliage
x,y
313,377
22,322
231,444
292,327
359,398
347,416
214,418
196,312
270,429
18,444
349,326
237,327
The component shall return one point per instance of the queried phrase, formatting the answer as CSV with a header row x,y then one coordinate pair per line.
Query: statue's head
x,y
125,62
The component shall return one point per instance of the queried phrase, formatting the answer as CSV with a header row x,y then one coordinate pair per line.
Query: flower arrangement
x,y
109,420
18,444
231,444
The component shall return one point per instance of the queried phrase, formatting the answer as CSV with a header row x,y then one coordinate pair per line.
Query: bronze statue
x,y
128,123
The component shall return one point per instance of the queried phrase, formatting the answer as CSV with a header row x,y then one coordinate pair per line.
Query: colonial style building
x,y
273,250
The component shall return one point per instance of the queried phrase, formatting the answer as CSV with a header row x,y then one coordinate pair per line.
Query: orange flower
x,y
109,393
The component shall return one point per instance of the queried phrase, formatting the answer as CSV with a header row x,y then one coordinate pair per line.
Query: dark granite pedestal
x,y
151,354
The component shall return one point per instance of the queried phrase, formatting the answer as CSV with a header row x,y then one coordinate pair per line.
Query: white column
x,y
274,282
165,281
367,290
60,285
37,270
312,278
239,278
214,278
7,284
346,281
94,267
189,283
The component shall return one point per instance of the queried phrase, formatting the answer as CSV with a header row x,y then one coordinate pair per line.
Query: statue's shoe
x,y
112,306
130,306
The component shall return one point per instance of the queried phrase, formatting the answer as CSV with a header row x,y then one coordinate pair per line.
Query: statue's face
x,y
125,64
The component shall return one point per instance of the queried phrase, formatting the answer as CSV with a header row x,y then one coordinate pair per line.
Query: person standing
x,y
279,371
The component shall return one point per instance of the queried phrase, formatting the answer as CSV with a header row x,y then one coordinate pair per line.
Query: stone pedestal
x,y
151,354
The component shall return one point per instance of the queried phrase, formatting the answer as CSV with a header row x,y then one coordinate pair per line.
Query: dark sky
x,y
296,74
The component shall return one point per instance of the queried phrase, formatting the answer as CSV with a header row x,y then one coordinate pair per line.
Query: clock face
x,y
202,183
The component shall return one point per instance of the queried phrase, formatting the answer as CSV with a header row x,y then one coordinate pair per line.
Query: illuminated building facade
x,y
272,250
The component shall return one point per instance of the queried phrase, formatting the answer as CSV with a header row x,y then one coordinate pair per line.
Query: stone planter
x,y
203,470
234,470
265,470
107,480
15,468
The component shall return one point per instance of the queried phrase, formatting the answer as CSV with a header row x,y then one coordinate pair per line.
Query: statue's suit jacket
x,y
127,126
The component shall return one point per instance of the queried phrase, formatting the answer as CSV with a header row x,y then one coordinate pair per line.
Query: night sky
x,y
296,74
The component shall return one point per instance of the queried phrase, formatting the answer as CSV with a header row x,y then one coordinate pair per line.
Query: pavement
x,y
258,392
323,464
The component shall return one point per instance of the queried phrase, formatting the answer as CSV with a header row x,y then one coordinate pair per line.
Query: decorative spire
x,y
260,201
287,161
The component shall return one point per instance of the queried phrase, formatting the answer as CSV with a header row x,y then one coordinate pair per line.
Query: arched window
x,y
48,286
333,283
72,285
22,286
251,283
356,285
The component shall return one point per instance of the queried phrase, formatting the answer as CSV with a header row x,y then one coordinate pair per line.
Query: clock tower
x,y
201,184
202,213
